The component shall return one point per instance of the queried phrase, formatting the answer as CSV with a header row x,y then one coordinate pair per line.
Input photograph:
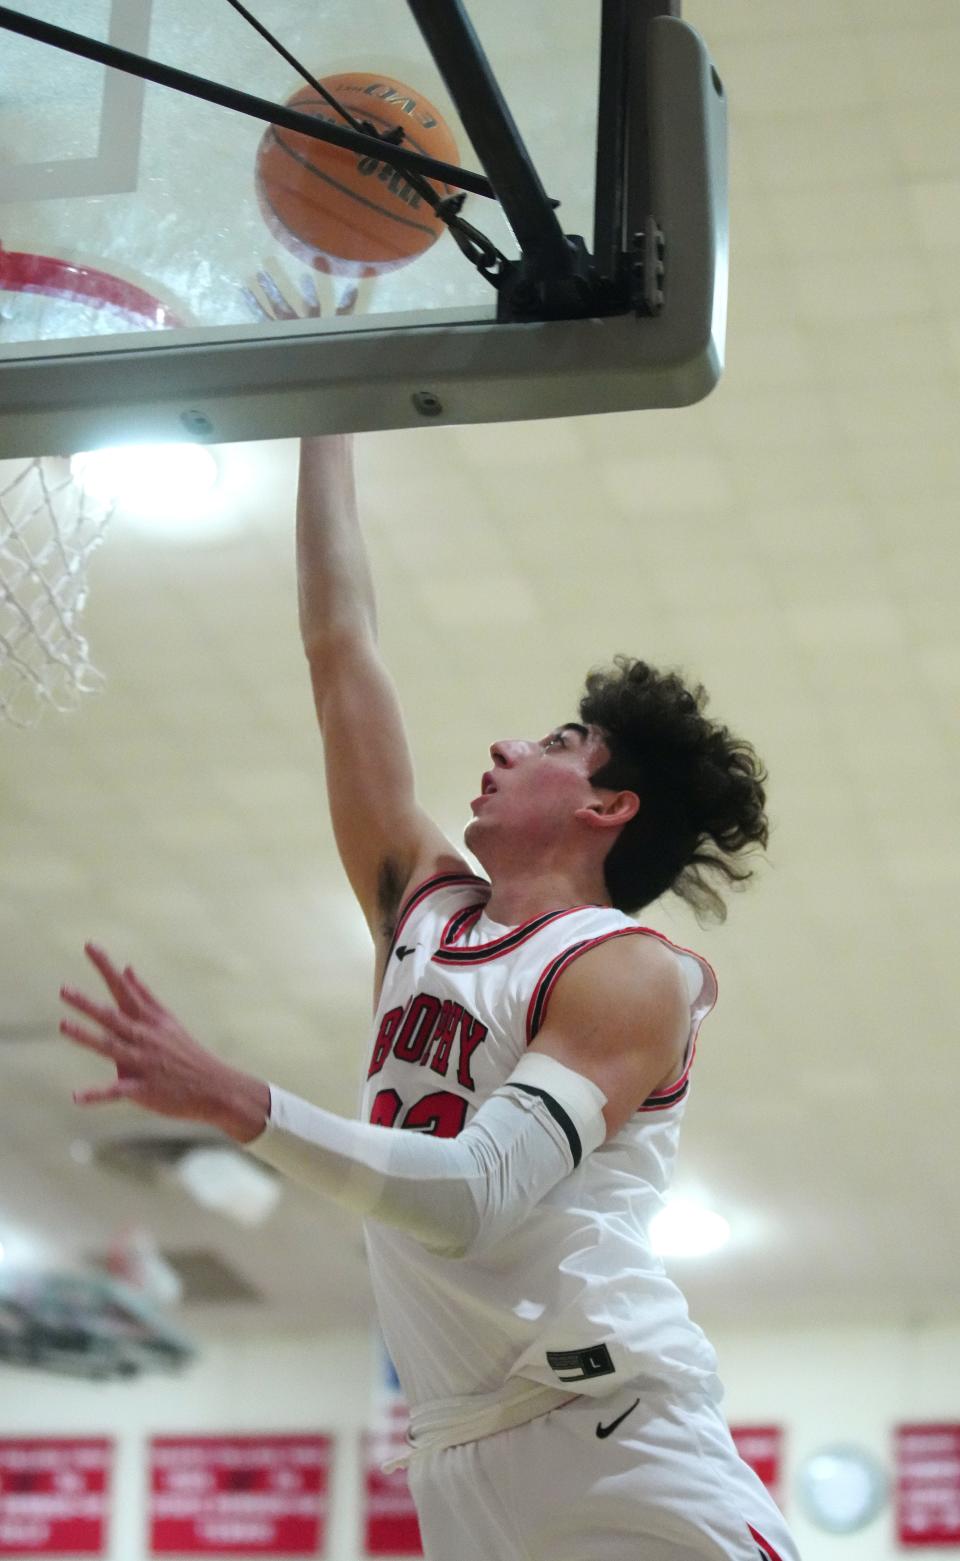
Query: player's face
x,y
536,786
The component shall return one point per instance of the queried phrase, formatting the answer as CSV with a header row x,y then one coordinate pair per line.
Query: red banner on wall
x,y
229,1495
761,1446
390,1526
928,1484
53,1495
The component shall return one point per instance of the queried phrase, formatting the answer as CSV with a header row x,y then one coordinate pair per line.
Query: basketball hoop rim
x,y
23,272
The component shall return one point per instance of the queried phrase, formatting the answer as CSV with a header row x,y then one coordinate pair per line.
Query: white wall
x,y
822,1385
321,1383
842,1385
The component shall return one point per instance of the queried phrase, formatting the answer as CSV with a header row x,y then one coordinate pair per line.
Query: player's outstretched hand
x,y
272,296
159,1064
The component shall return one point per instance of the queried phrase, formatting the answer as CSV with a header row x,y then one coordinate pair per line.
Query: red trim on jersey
x,y
660,1095
546,981
680,948
466,916
661,1099
422,892
483,953
765,1545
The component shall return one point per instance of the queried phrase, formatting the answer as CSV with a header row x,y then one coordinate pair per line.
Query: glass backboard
x,y
159,276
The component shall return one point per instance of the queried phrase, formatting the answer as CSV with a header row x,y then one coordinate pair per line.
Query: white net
x,y
48,528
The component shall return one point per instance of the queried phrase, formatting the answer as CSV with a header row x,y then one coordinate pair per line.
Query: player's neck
x,y
520,894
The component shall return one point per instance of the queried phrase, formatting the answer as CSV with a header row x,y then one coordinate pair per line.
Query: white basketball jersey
x,y
574,1299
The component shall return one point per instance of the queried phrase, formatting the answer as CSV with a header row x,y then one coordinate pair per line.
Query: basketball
x,y
340,212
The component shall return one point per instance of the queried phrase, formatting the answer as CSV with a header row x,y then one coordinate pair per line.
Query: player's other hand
x,y
159,1066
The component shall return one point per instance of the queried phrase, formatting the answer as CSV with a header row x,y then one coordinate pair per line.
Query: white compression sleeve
x,y
454,1195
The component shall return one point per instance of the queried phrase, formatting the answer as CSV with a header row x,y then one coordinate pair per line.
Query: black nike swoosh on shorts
x,y
605,1430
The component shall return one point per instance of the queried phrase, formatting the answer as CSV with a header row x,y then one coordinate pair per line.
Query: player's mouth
x,y
487,789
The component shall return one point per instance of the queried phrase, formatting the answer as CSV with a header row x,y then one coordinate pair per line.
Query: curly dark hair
x,y
701,789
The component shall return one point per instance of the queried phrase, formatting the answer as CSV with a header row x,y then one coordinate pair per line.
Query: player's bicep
x,y
619,1016
383,836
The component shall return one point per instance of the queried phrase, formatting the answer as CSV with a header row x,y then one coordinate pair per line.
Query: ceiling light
x,y
152,480
230,1183
25,1249
686,1229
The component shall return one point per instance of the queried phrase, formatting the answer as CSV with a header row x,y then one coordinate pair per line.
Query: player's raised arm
x,y
385,839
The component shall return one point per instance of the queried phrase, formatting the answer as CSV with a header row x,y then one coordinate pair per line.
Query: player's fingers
x,y
105,967
106,1045
119,1024
100,1097
309,295
348,301
278,302
142,992
110,1018
250,298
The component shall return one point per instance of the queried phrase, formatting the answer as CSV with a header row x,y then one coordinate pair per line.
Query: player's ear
x,y
611,810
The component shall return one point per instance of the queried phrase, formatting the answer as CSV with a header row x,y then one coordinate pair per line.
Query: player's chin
x,y
473,832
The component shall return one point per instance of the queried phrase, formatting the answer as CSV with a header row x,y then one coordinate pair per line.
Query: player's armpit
x,y
620,1016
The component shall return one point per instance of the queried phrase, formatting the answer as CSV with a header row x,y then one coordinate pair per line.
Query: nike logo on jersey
x,y
606,1430
402,952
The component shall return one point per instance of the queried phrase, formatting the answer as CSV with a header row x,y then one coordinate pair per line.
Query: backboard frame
x,y
113,165
444,366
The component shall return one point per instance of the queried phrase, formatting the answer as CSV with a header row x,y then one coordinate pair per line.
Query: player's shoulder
x,y
635,952
620,1014
617,973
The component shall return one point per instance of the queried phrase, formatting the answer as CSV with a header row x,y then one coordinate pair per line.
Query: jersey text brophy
x,y
431,1032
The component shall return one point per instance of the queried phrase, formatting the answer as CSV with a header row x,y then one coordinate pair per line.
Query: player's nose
x,y
508,751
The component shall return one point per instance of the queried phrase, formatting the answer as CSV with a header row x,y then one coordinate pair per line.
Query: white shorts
x,y
666,1484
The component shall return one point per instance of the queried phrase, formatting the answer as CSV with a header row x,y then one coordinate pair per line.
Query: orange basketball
x,y
340,212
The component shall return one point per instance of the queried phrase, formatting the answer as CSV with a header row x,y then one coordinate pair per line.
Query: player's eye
x,y
555,738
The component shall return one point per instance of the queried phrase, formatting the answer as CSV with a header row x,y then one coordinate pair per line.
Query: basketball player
x,y
534,1045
